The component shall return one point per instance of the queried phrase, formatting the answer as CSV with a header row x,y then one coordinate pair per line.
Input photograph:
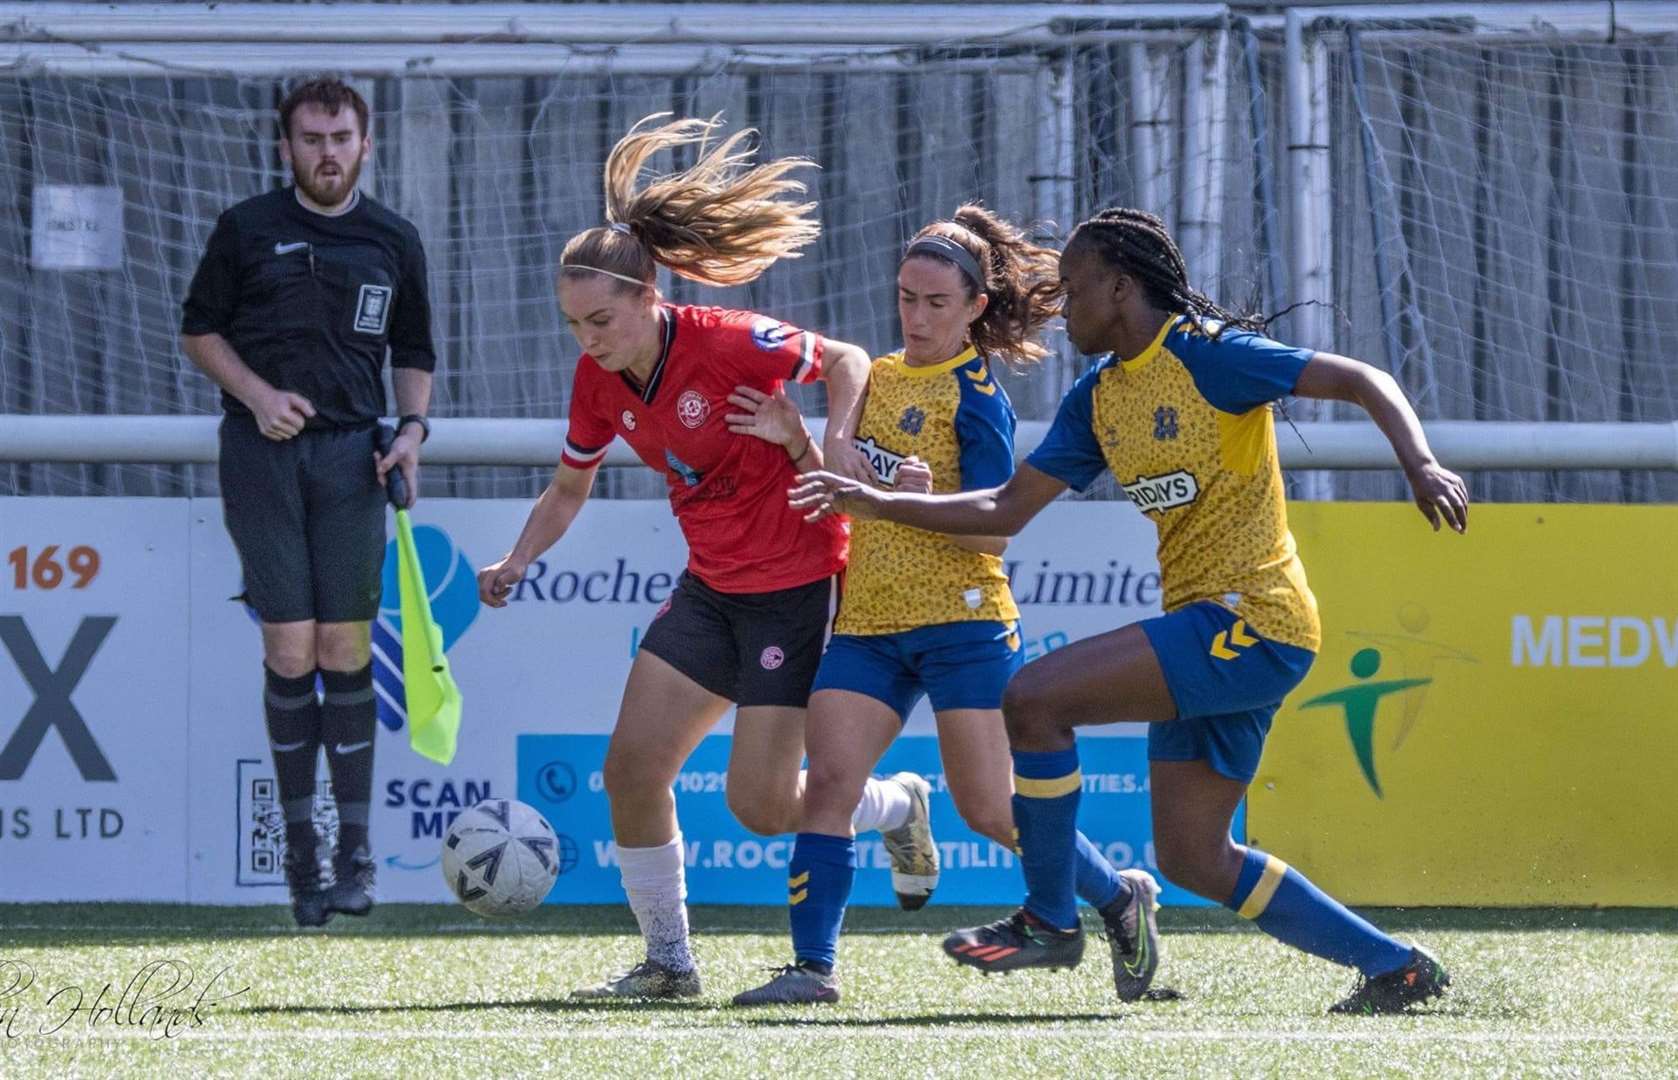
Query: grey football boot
x,y
914,853
795,984
647,981
1132,934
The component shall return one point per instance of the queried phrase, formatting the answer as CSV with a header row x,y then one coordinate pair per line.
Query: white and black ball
x,y
500,858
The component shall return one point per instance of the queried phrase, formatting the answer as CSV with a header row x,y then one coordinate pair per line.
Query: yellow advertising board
x,y
1493,718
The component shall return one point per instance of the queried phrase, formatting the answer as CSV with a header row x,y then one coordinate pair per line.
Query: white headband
x,y
608,273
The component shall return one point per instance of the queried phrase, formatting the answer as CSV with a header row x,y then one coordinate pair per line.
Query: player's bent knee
x,y
1027,709
290,668
1175,860
827,788
765,816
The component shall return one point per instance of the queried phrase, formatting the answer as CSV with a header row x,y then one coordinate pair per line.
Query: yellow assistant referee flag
x,y
433,698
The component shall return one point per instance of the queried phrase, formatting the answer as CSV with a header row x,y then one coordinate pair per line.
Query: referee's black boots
x,y
309,905
352,885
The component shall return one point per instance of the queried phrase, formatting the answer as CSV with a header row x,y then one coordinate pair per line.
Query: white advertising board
x,y
94,689
176,688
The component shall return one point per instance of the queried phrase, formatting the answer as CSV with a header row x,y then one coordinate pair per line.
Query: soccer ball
x,y
499,857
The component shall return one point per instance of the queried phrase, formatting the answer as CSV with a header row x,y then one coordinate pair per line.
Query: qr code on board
x,y
261,824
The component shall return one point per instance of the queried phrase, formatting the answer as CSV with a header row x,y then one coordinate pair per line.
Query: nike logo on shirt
x,y
350,748
287,249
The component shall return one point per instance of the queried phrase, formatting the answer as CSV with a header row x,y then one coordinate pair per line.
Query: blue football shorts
x,y
1227,689
964,665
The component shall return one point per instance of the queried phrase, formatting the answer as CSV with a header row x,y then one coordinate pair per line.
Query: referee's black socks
x,y
294,733
348,716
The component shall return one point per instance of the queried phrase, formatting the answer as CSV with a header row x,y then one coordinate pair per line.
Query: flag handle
x,y
396,484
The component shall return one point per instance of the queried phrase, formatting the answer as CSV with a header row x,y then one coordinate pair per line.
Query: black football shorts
x,y
307,515
751,648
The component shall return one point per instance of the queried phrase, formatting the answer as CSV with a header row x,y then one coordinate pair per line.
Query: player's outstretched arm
x,y
1001,511
549,519
845,369
1440,494
915,477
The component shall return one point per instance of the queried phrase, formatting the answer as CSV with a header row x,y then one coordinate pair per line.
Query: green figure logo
x,y
1360,703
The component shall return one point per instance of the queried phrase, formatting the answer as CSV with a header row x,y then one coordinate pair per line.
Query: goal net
x,y
1506,234
1500,232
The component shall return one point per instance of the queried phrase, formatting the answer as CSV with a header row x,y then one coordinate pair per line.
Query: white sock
x,y
884,805
656,880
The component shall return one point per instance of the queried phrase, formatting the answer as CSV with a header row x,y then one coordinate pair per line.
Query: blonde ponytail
x,y
722,221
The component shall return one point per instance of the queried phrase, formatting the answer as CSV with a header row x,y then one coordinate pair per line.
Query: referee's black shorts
x,y
307,516
751,648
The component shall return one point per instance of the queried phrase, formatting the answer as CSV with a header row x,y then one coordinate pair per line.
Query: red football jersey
x,y
729,491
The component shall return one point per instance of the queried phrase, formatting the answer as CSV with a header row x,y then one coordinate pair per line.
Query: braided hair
x,y
1137,243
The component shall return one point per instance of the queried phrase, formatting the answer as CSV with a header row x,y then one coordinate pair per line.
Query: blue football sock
x,y
818,888
1046,790
1098,883
1290,909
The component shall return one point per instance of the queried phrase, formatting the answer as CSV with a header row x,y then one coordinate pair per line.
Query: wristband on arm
x,y
415,418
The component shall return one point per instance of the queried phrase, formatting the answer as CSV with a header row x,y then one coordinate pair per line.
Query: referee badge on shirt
x,y
372,309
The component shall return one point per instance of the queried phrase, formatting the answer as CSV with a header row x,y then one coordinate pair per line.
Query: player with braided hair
x,y
1178,410
1138,239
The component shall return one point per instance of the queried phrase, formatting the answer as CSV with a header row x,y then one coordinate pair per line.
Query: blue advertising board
x,y
560,775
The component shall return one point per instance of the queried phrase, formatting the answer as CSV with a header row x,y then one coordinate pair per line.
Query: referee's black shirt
x,y
309,302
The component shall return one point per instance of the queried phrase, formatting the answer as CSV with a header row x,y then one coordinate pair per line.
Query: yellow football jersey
x,y
955,417
1185,427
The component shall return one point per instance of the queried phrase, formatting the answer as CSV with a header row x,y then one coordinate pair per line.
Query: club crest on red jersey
x,y
692,408
628,419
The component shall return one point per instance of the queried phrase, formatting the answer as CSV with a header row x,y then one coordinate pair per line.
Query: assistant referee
x,y
300,293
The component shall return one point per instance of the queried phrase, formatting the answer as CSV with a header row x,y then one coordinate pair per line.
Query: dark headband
x,y
945,248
